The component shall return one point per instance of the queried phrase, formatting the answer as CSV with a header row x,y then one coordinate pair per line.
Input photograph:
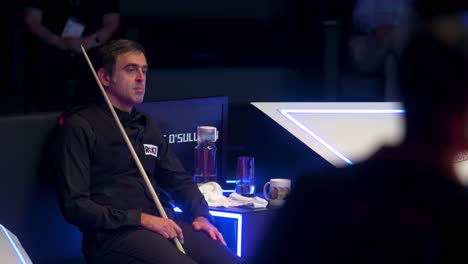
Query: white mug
x,y
278,192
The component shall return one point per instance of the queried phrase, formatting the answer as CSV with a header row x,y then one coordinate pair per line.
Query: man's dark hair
x,y
106,55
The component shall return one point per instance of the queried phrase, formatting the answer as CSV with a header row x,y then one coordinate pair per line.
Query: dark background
x,y
247,50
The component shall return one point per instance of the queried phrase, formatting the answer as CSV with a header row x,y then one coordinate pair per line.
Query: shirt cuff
x,y
134,217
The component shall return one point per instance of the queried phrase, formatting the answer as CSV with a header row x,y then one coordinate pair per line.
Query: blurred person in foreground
x,y
405,204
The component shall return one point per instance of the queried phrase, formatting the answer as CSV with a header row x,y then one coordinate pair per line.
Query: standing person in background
x,y
381,30
56,71
405,204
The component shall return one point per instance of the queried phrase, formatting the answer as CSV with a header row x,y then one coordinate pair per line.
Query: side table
x,y
243,228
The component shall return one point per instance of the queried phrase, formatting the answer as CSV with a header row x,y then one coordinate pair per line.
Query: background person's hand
x,y
74,44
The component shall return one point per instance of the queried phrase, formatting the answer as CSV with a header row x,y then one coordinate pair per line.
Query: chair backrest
x,y
28,204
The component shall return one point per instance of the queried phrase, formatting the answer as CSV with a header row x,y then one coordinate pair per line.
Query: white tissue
x,y
213,194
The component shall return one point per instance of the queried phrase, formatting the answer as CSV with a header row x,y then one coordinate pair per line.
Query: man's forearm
x,y
87,214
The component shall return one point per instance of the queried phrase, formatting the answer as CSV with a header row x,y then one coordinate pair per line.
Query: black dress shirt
x,y
99,184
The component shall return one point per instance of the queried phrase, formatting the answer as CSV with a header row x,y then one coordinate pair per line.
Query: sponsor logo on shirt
x,y
151,150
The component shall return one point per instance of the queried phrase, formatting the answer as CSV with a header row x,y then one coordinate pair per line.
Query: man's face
x,y
126,87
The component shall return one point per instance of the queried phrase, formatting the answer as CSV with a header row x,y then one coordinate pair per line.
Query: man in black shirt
x,y
101,190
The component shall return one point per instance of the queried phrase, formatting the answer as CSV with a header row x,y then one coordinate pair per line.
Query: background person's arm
x,y
110,24
33,21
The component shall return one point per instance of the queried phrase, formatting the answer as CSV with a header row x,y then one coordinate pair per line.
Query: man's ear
x,y
104,77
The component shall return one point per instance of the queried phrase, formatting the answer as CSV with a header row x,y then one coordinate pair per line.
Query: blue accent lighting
x,y
235,216
287,112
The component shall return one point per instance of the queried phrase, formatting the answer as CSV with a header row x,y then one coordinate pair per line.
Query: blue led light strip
x,y
286,113
343,111
228,215
239,227
13,244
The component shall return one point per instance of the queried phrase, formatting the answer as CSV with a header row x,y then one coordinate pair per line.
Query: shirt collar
x,y
125,117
